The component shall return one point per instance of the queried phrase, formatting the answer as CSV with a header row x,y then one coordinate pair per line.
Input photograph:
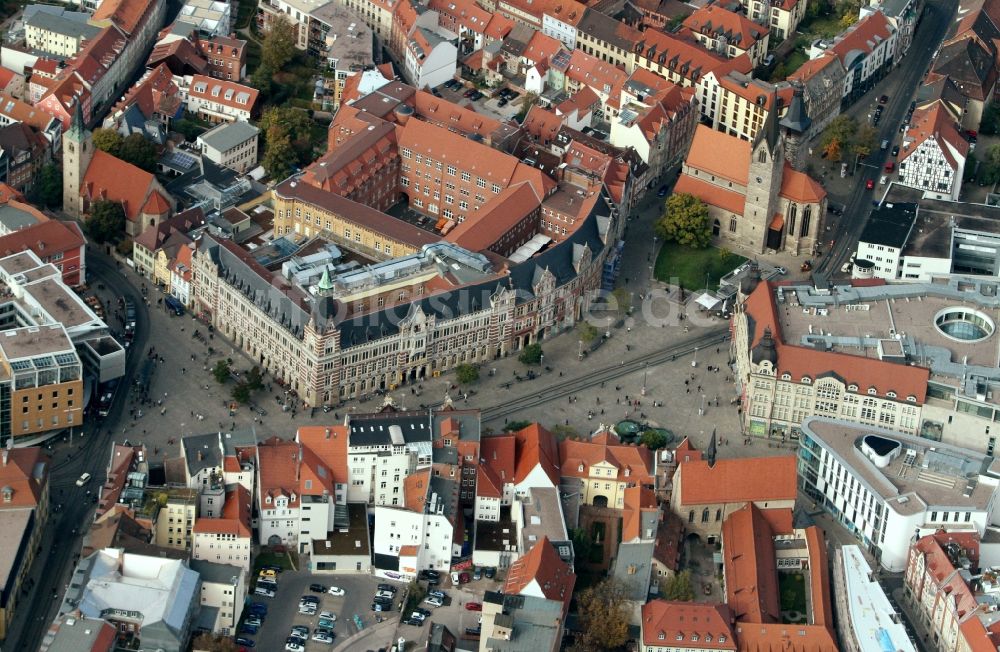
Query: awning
x,y
777,222
708,301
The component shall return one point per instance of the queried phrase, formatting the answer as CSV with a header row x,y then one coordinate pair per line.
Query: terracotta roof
x,y
716,21
20,111
466,13
179,51
599,75
800,187
668,623
720,154
497,456
637,500
935,123
155,93
26,472
753,479
44,238
633,464
711,194
819,578
484,228
669,541
800,362
541,565
684,56
542,123
329,443
155,205
750,567
498,27
7,193
978,637
235,517
278,470
536,447
541,48
221,91
686,451
864,35
581,101
812,67
770,637
126,14
415,488
152,238
111,178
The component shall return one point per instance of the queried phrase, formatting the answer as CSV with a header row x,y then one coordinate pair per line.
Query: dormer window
x,y
580,468
891,394
268,500
680,637
661,636
872,391
806,380
911,398
694,637
7,493
786,376
708,638
722,638
628,472
852,388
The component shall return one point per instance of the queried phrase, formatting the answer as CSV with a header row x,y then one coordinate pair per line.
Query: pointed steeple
x,y
77,127
325,284
711,450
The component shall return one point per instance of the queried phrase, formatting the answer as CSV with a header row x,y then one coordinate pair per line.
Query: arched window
x,y
762,156
690,515
704,515
718,515
805,221
732,224
792,213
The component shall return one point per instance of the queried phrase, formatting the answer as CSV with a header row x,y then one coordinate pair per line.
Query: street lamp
x,y
645,370
701,410
694,363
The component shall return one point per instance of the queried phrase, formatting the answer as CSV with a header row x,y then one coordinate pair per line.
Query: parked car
x,y
425,612
255,621
427,574
300,630
433,601
83,479
267,572
477,574
309,598
247,628
885,145
419,616
768,60
263,592
258,608
386,587
890,166
294,647
415,622
463,578
476,96
895,150
870,184
335,590
884,99
437,594
502,102
473,631
490,572
384,594
246,642
318,588
380,607
325,623
320,637
307,609
662,192
328,615
468,93
473,606
433,581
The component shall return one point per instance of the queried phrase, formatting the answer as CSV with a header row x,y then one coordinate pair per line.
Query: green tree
x,y
864,141
653,440
514,426
254,379
47,191
415,593
208,642
466,374
279,158
221,371
187,128
107,140
561,431
837,137
241,393
685,221
106,222
623,300
588,333
138,151
603,615
531,354
679,587
989,169
278,47
287,140
990,124
582,543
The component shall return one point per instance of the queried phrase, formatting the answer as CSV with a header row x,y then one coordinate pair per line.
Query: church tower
x,y
77,151
793,126
760,228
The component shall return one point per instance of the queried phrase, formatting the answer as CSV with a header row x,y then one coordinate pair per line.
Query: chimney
x,y
199,456
6,453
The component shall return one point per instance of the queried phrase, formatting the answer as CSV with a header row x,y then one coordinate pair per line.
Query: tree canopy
x,y
207,642
679,587
603,615
845,137
107,140
221,371
466,374
588,333
138,151
685,221
48,191
653,439
106,222
531,354
287,141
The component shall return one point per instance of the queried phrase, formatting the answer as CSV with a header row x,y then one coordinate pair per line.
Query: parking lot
x,y
485,105
454,613
283,608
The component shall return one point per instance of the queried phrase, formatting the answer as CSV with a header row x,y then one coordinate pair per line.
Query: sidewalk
x,y
377,636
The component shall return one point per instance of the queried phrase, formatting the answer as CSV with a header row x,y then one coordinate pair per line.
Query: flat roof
x,y
889,225
32,341
542,517
873,620
352,542
883,317
497,536
62,304
938,476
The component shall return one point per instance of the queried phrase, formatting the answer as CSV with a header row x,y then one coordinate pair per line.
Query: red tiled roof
x,y
44,238
595,73
935,122
633,464
329,443
864,35
235,518
673,624
496,467
541,48
714,20
482,229
542,123
278,470
155,205
637,500
415,487
686,451
819,578
771,637
18,473
536,447
542,566
755,479
126,14
800,187
111,178
800,362
750,567
217,90
711,194
720,154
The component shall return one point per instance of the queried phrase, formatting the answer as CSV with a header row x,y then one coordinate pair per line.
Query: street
x,y
900,85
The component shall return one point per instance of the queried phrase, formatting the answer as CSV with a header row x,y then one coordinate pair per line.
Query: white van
x,y
84,479
261,591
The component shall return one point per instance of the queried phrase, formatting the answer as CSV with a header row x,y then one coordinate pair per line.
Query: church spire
x,y
711,450
77,127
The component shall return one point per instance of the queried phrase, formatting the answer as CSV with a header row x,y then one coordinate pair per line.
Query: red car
x,y
464,578
473,606
890,166
870,184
